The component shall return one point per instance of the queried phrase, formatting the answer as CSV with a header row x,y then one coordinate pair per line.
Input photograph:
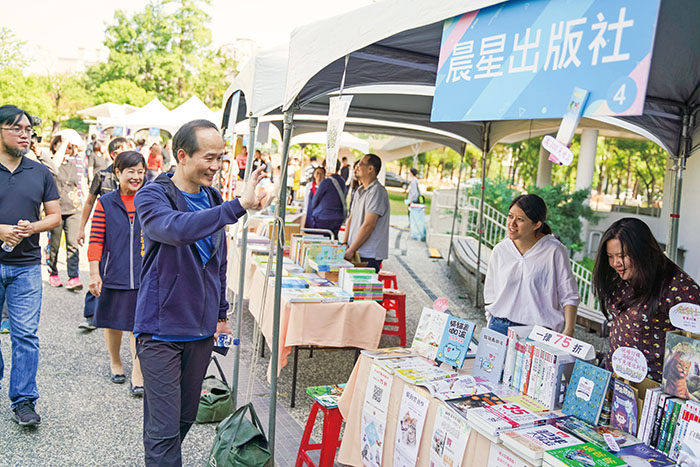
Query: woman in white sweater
x,y
529,279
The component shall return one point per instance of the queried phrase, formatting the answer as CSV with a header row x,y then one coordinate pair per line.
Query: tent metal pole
x,y
242,261
454,215
484,153
281,211
679,167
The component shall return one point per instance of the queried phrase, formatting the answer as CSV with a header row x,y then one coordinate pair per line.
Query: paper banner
x,y
337,113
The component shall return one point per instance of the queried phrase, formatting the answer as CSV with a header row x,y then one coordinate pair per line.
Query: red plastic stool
x,y
389,279
332,421
395,300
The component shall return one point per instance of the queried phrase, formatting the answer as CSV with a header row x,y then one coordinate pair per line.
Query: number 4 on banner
x,y
568,344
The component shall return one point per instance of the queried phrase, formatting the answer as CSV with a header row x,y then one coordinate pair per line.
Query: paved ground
x,y
90,421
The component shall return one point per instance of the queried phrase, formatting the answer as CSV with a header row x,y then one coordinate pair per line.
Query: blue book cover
x,y
454,344
490,355
586,392
641,454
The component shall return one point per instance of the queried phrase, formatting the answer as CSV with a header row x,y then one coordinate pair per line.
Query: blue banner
x,y
522,59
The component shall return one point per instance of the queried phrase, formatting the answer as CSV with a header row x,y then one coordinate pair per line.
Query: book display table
x,y
350,404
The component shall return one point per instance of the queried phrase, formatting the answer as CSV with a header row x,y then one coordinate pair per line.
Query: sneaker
x,y
74,284
5,326
87,324
55,281
25,415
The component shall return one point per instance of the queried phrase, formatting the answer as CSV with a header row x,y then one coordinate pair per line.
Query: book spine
x,y
527,365
648,430
534,373
692,414
645,412
549,381
672,427
517,371
682,421
663,431
510,358
658,414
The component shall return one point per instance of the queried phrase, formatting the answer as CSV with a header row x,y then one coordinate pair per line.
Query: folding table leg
x,y
294,376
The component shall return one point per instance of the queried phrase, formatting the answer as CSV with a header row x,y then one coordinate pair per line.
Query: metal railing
x,y
467,224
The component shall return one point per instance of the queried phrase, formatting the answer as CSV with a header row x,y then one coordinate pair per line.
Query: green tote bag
x,y
215,403
240,442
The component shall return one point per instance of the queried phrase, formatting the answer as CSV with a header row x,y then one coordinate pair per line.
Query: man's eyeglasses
x,y
19,131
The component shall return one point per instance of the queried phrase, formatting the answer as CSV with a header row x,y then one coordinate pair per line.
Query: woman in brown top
x,y
637,285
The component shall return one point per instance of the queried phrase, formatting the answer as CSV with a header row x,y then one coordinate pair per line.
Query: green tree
x,y
11,50
26,92
122,91
67,95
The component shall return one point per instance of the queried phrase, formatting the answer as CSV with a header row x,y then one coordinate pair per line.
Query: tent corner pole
x,y
679,164
281,211
242,264
454,215
484,153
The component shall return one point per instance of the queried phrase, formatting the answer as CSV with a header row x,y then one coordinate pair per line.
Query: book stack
x,y
332,294
301,296
493,420
327,396
581,455
329,266
290,283
361,284
314,280
531,443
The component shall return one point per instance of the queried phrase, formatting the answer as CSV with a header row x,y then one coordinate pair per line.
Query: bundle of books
x,y
327,396
361,283
329,266
535,369
332,294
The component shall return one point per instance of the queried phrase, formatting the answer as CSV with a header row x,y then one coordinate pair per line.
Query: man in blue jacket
x,y
182,303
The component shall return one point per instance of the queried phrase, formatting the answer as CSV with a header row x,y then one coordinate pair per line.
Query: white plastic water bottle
x,y
7,247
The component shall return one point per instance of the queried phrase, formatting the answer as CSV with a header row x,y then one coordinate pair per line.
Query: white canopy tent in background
x,y
108,110
319,137
192,109
397,42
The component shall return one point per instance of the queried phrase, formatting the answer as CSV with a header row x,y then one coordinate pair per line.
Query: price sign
x,y
686,316
630,363
568,344
441,304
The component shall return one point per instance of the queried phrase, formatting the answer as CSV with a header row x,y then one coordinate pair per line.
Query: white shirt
x,y
532,288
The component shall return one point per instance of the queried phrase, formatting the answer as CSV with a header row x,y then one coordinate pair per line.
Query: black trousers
x,y
70,225
372,263
172,375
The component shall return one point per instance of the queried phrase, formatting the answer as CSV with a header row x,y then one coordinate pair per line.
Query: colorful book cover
x,y
586,392
582,455
528,402
301,296
689,413
496,419
455,387
641,454
672,426
490,355
327,396
388,352
331,294
450,435
374,413
463,404
409,428
533,442
593,434
624,407
428,334
314,280
690,446
681,372
291,283
455,341
423,374
665,420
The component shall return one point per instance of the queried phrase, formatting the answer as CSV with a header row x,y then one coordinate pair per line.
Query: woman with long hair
x,y
115,254
529,279
637,285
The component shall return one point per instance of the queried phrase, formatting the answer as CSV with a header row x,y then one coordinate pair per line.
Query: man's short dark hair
x,y
128,159
116,143
344,159
312,158
375,162
186,136
93,137
414,171
11,114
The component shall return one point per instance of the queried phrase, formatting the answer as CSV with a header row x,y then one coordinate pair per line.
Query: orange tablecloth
x,y
352,400
348,324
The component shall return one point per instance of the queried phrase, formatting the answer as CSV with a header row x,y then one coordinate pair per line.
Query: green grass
x,y
398,207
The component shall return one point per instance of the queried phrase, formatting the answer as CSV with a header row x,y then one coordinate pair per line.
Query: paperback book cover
x,y
689,413
428,334
331,294
423,374
490,355
586,392
455,341
624,407
496,419
690,447
409,428
527,402
455,387
531,443
388,352
593,434
450,436
641,454
681,371
463,404
327,396
301,296
582,455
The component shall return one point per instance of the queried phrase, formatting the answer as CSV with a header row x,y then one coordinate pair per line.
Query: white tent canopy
x,y
320,137
192,109
108,110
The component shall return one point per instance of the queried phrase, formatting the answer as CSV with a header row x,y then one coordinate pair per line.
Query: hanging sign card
x,y
686,316
575,347
519,59
630,363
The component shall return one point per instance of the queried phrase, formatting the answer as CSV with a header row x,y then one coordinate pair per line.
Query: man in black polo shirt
x,y
24,186
104,181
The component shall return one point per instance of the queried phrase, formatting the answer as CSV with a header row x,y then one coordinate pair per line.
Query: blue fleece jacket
x,y
180,296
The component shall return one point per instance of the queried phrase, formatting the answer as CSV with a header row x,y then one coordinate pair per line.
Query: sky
x,y
61,27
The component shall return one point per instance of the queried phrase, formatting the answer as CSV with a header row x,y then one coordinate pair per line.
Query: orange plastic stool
x,y
332,422
395,300
389,280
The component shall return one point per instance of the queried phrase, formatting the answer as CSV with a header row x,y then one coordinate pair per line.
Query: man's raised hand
x,y
249,199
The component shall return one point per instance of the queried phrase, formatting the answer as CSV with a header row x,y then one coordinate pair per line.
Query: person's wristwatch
x,y
222,320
